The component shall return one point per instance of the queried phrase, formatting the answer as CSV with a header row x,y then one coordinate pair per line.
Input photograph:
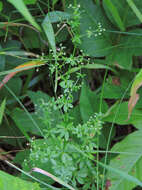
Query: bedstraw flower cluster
x,y
98,32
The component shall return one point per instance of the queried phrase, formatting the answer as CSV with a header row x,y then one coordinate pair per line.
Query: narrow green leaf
x,y
135,9
1,6
54,2
48,29
2,107
30,2
58,16
115,14
21,7
90,66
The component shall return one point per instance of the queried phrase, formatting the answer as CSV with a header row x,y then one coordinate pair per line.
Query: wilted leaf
x,y
17,69
53,177
134,96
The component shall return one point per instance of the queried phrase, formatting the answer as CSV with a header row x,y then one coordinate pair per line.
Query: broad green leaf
x,y
39,100
128,162
112,91
10,61
91,16
58,16
76,115
118,114
128,17
31,39
134,96
116,86
21,7
135,9
113,10
10,130
38,97
2,108
48,29
89,103
111,169
20,156
9,182
15,85
24,122
129,45
105,132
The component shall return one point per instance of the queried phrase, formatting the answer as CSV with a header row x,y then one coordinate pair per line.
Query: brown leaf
x,y
132,102
22,67
134,96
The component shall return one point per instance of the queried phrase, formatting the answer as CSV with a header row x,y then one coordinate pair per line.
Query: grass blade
x,y
11,73
21,7
48,29
135,9
115,14
2,107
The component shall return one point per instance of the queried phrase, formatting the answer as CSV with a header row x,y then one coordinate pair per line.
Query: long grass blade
x,y
135,9
21,7
115,14
2,108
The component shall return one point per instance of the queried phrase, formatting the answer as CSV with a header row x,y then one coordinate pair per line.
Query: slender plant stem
x,y
100,110
109,137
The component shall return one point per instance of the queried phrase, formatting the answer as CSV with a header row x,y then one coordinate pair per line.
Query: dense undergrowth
x,y
70,96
